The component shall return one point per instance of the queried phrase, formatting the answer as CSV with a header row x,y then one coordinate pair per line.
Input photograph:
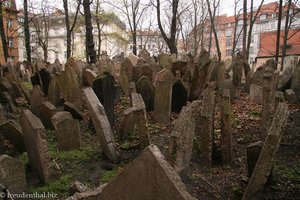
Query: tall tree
x,y
69,27
2,33
286,32
236,34
27,32
245,16
89,41
171,41
213,25
278,30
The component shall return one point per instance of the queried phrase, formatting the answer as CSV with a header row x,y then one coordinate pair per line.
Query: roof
x,y
146,33
268,43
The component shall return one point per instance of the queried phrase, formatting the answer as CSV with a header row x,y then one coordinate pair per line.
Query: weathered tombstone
x,y
101,124
12,131
290,96
16,89
53,91
140,119
75,112
127,69
180,66
36,99
179,96
144,54
226,129
12,175
67,131
253,151
256,93
165,75
104,88
278,98
147,90
162,101
163,60
207,128
47,111
181,141
145,70
133,59
148,177
124,83
36,145
117,93
127,124
268,153
42,76
88,77
8,102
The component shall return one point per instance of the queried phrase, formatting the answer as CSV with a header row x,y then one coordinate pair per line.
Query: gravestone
x,y
8,102
267,155
207,128
101,124
36,99
165,75
127,124
163,60
256,93
278,98
140,119
147,90
88,77
290,96
75,112
181,141
12,131
253,151
47,111
133,59
12,174
2,113
36,145
127,69
146,70
226,128
104,88
16,90
179,96
53,91
67,131
148,177
124,83
162,101
295,84
180,66
144,54
42,76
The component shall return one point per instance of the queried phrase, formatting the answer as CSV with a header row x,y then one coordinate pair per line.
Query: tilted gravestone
x,y
104,88
36,145
179,96
47,111
45,78
147,90
67,131
162,101
12,174
75,112
127,69
268,153
53,91
101,124
88,77
36,99
181,141
127,124
12,131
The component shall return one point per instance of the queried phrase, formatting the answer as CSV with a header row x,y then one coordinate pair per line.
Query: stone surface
x,y
268,153
75,112
104,88
101,124
88,77
256,93
45,78
53,91
290,96
12,131
295,84
124,83
181,141
162,101
77,187
36,145
36,99
148,177
253,151
67,131
165,75
47,111
127,124
133,59
127,69
12,174
179,96
147,90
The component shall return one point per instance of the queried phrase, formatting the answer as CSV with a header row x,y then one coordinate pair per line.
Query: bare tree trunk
x,y
26,31
98,28
286,32
210,39
89,43
245,28
278,30
2,33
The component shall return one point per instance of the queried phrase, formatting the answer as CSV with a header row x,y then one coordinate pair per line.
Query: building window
x,y
228,32
274,15
263,17
228,41
251,50
9,23
228,52
10,42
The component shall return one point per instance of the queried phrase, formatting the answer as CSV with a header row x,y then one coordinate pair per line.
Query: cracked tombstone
x,y
181,141
36,145
267,155
67,131
207,128
12,174
162,101
101,124
145,88
47,111
36,99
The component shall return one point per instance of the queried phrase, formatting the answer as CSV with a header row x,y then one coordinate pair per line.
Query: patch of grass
x,y
60,186
24,158
237,192
82,155
292,175
255,113
108,176
126,146
27,85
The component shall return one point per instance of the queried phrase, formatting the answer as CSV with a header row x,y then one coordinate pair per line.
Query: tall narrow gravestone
x,y
162,101
101,124
36,144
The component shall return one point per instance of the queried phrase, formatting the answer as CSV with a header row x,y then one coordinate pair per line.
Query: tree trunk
x,y
2,33
278,31
26,32
67,21
89,43
134,48
286,32
245,28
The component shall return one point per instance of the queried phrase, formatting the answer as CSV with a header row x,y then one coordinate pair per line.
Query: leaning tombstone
x,y
162,101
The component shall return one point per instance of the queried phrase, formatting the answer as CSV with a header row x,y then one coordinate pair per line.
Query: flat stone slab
x,y
12,131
